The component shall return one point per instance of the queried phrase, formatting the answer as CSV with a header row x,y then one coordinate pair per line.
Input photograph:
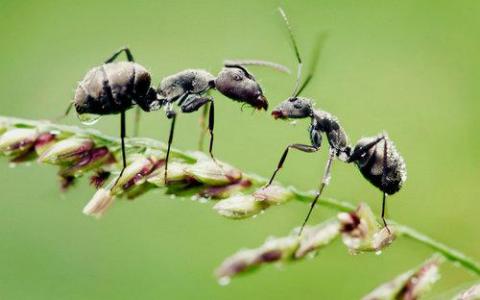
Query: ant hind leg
x,y
127,51
122,138
66,113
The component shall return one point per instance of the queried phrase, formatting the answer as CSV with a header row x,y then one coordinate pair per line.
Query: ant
x,y
114,88
189,90
384,169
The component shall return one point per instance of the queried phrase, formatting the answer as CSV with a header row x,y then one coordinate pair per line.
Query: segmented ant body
x,y
376,157
188,90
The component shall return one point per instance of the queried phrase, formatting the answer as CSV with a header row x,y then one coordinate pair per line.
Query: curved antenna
x,y
295,48
320,41
256,62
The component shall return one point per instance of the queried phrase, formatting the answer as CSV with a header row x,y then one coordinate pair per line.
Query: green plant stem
x,y
451,254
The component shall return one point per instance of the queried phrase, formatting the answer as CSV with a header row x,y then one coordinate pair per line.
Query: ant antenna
x,y
295,48
256,62
320,41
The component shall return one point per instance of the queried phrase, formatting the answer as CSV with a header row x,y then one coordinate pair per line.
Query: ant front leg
x,y
193,103
301,147
202,123
325,181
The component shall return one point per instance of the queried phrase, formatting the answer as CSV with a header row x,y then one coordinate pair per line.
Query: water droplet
x,y
293,123
379,252
88,119
223,281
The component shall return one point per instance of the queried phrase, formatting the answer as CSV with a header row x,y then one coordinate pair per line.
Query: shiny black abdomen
x,y
372,171
111,88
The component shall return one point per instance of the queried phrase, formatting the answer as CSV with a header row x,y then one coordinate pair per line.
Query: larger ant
x,y
377,158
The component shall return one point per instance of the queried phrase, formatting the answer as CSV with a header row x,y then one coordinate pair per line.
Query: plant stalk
x,y
112,143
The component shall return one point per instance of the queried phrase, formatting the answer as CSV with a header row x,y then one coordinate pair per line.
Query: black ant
x,y
385,170
189,88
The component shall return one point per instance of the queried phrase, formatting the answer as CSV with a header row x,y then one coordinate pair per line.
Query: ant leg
x,y
384,179
136,128
122,138
301,147
360,151
170,114
202,122
66,113
323,184
117,53
193,103
383,211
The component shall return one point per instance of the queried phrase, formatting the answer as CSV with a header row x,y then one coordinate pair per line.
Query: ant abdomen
x,y
386,174
111,88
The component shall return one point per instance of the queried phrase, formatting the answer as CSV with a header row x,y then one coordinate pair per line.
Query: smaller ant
x,y
377,158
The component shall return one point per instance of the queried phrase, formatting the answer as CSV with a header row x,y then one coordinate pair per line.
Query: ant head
x,y
237,83
293,107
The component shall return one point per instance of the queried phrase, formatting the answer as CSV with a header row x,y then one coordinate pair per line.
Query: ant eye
x,y
237,77
297,105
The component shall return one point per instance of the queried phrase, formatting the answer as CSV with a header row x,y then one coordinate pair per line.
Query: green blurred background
x,y
409,67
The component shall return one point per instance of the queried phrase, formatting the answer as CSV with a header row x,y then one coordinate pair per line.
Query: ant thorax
x,y
325,122
192,81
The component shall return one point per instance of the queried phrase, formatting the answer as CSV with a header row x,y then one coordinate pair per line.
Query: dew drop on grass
x,y
223,281
88,119
379,252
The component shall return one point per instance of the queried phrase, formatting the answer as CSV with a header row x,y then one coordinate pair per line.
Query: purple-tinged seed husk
x,y
222,192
